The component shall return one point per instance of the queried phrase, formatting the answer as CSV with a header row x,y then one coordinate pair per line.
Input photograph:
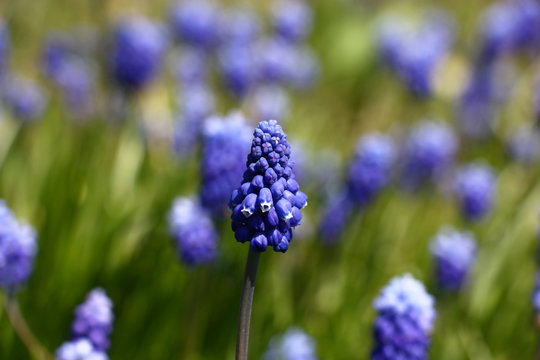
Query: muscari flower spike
x,y
239,26
266,207
524,145
405,317
195,22
474,187
25,98
454,253
18,248
294,344
225,143
193,232
237,68
79,349
292,20
137,51
428,152
413,53
94,320
509,26
369,170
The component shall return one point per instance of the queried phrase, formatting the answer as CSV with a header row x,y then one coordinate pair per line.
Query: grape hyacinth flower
x,y
275,61
509,26
428,153
18,248
137,50
239,26
454,253
94,320
294,344
265,209
79,349
195,22
237,67
335,216
524,145
369,170
405,317
4,50
191,68
414,53
474,187
292,20
225,143
193,232
269,102
25,98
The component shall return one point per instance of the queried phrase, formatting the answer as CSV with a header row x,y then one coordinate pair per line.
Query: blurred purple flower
x,y
25,98
474,187
195,22
294,344
292,20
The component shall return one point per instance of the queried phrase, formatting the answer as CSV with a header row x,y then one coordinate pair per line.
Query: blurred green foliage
x,y
98,196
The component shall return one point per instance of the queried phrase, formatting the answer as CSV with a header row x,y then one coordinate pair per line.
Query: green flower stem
x,y
242,336
23,331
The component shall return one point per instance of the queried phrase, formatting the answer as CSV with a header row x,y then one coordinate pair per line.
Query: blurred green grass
x,y
99,197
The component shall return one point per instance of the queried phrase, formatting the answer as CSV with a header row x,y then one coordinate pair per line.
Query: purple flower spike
x,y
294,344
26,99
225,143
237,66
18,248
414,52
264,210
454,253
474,187
524,145
137,51
79,349
334,217
369,170
429,152
405,317
94,320
292,20
195,22
193,232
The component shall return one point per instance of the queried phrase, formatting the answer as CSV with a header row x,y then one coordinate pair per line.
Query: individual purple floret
x,y
225,144
79,349
193,232
269,102
18,248
413,53
509,26
524,145
94,320
429,151
474,187
137,50
266,207
454,253
335,217
191,68
239,26
369,170
237,67
195,22
292,20
294,344
25,98
405,317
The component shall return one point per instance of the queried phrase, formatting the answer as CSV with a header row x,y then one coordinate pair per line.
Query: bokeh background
x,y
98,195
